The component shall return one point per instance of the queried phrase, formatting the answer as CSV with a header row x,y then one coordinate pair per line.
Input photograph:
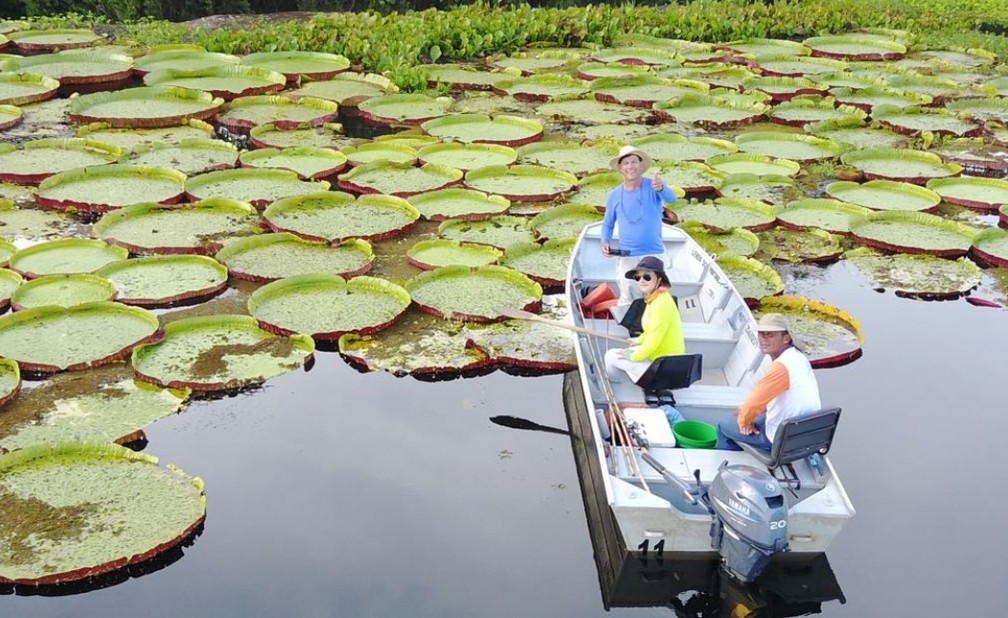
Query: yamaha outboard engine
x,y
750,519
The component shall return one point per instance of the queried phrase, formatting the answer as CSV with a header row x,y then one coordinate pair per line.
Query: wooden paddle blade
x,y
517,314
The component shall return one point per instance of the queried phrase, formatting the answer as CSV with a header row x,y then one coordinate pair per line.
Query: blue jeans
x,y
728,434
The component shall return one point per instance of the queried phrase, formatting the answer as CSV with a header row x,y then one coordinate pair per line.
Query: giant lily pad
x,y
564,221
884,195
399,179
246,112
541,60
596,70
77,68
192,59
594,190
691,177
855,47
644,90
99,406
991,247
800,112
426,354
272,135
772,190
752,163
456,203
258,187
542,87
794,146
334,216
48,41
525,346
107,187
546,263
95,508
437,252
461,77
914,232
9,283
979,193
912,166
294,64
829,336
6,251
25,226
636,55
736,241
710,112
50,339
813,245
227,82
590,111
192,228
916,120
784,88
675,147
348,89
567,155
528,183
939,89
132,139
753,279
501,232
273,256
62,291
726,212
26,88
917,276
472,294
163,280
761,47
853,133
468,128
309,163
792,65
867,99
220,352
829,215
467,157
65,256
362,305
10,383
985,109
380,152
41,158
190,156
154,106
10,116
403,109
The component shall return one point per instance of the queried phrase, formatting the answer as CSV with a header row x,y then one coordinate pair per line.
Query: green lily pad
x,y
469,128
403,109
675,147
10,383
536,61
784,88
736,241
26,88
618,133
710,112
26,226
525,346
348,88
410,138
402,180
309,163
95,508
164,280
829,215
792,65
541,87
190,156
334,216
913,166
295,64
916,120
50,339
794,146
590,111
65,256
426,354
362,305
268,257
528,183
855,47
636,55
564,221
103,188
991,247
247,112
690,176
6,251
467,157
596,70
811,245
567,156
380,152
802,111
753,279
54,40
273,135
77,67
913,232
916,276
751,163
501,232
979,193
829,336
867,99
430,254
102,407
490,104
132,139
772,190
9,283
455,203
227,82
473,294
939,89
985,109
644,90
149,107
850,80
461,77
759,47
183,59
200,227
62,291
593,190
258,187
10,116
884,195
856,135
546,263
726,213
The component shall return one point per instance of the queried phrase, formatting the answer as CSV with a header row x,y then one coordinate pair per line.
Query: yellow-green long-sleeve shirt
x,y
661,329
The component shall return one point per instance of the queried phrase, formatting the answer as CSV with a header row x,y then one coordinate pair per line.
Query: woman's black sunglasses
x,y
643,276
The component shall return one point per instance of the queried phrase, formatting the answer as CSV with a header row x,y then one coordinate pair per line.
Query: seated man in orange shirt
x,y
786,391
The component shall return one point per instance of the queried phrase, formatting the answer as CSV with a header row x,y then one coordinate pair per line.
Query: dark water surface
x,y
332,493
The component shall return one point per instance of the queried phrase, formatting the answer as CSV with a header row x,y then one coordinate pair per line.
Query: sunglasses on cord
x,y
643,276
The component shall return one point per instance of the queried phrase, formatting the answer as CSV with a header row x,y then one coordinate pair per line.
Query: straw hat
x,y
777,323
626,151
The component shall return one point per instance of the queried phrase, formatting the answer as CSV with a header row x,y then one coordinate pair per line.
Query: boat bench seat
x,y
714,342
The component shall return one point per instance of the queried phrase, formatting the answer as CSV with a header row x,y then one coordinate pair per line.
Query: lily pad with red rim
x,y
593,190
26,226
399,179
784,88
884,195
469,128
348,88
725,213
985,194
984,109
590,111
227,81
10,116
269,257
26,88
50,339
759,46
563,221
62,291
192,59
425,352
456,203
753,163
49,41
644,90
377,152
753,279
296,64
437,252
403,109
803,111
501,232
165,280
526,183
39,159
246,112
467,157
736,241
272,135
190,156
362,305
308,162
461,77
131,139
991,247
637,55
9,282
810,245
916,120
10,382
7,249
529,63
826,214
541,87
710,112
567,155
65,256
596,70
913,232
545,263
676,147
335,216
219,352
149,107
473,294
96,508
691,177
99,189
916,276
77,68
829,336
855,47
854,134
792,65
525,346
258,187
198,228
913,166
411,138
866,99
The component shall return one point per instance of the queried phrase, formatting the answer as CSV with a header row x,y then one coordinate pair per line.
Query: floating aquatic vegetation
x,y
461,77
916,276
567,156
225,81
473,294
917,120
132,138
244,113
501,232
10,382
913,232
258,187
153,106
755,164
825,214
268,257
541,87
500,129
913,166
380,151
456,203
430,254
885,195
80,68
297,64
710,111
752,278
10,116
644,90
725,213
399,179
772,190
467,157
403,109
9,282
544,263
691,177
103,188
528,183
676,147
737,241
308,162
348,88
980,193
424,353
794,146
335,216
190,156
186,59
65,256
817,246
991,247
855,47
164,280
523,347
274,135
564,221
62,291
590,111
26,88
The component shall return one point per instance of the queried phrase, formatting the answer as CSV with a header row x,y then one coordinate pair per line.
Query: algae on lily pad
x,y
430,254
219,352
425,353
62,291
525,346
257,186
94,508
751,278
268,257
335,216
473,294
884,195
362,305
190,156
564,221
914,232
544,263
98,189
817,246
725,213
65,256
163,280
971,192
500,232
916,276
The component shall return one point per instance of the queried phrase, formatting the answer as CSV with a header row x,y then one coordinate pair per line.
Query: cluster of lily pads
x,y
119,204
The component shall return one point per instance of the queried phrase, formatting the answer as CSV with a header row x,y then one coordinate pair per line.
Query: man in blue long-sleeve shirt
x,y
636,206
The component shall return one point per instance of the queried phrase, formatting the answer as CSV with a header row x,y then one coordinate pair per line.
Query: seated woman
x,y
662,327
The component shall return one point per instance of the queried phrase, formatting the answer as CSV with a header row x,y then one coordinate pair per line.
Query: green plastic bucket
x,y
694,434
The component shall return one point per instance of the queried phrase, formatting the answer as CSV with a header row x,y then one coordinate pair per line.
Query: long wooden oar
x,y
518,314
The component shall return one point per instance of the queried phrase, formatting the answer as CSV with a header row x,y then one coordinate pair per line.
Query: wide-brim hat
x,y
777,323
652,264
626,151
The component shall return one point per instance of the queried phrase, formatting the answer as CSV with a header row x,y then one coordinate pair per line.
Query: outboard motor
x,y
750,519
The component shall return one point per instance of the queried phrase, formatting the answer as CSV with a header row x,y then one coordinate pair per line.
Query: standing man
x,y
636,206
786,391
